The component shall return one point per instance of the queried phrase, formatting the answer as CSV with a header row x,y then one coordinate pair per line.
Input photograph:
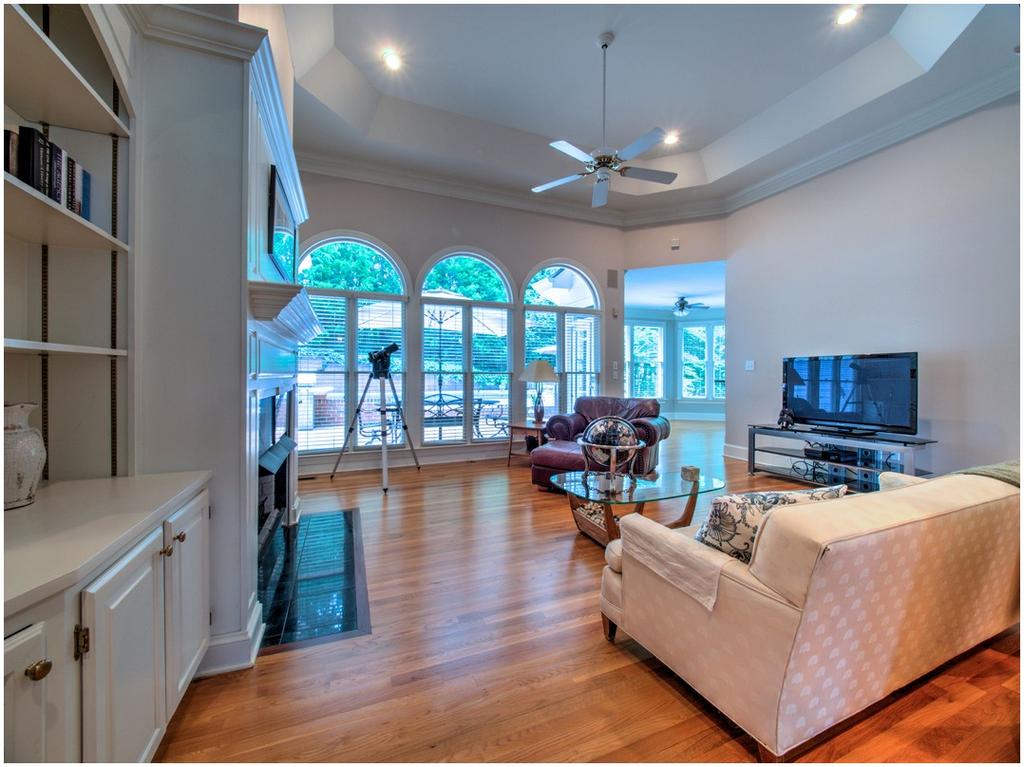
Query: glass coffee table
x,y
597,512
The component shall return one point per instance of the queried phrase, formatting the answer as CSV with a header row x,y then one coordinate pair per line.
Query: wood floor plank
x,y
486,645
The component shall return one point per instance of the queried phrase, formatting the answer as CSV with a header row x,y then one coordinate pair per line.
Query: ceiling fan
x,y
683,307
604,161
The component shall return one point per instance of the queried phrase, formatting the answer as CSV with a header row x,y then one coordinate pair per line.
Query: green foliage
x,y
468,277
350,265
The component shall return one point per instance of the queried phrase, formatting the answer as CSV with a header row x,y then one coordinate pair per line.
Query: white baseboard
x,y
237,650
735,451
322,463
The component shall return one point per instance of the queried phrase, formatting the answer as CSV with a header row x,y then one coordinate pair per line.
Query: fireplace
x,y
275,446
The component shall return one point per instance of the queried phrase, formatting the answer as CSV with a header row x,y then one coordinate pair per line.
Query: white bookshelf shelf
x,y
20,346
32,216
44,86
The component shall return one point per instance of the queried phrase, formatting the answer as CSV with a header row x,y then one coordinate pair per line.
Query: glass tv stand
x,y
836,458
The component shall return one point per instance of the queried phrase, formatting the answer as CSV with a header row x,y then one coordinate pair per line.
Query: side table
x,y
524,429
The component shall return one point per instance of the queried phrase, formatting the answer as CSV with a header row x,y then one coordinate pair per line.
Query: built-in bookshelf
x,y
66,276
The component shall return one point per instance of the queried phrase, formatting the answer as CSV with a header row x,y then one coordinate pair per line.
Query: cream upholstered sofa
x,y
843,602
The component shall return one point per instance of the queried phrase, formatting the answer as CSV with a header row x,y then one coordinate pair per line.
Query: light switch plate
x,y
748,365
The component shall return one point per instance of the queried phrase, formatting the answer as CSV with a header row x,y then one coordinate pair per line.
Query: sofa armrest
x,y
890,480
679,559
566,427
613,555
652,430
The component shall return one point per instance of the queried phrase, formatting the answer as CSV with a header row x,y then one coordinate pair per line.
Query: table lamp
x,y
539,372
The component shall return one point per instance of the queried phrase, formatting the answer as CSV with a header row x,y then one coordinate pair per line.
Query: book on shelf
x,y
11,152
49,169
58,174
32,158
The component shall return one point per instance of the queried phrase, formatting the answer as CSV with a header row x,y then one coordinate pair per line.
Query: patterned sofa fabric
x,y
561,453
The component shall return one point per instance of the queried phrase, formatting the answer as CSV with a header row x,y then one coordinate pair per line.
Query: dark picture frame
x,y
281,228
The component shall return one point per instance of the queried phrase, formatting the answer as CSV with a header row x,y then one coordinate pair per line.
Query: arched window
x,y
359,295
466,365
562,326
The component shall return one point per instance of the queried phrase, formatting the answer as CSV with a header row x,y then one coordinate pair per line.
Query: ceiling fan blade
x,y
573,151
642,144
559,182
600,198
649,174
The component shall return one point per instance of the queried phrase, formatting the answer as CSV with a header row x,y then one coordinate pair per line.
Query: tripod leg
x,y
405,427
384,435
351,427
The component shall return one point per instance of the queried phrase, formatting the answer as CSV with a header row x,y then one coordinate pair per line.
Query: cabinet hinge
x,y
81,641
211,617
209,511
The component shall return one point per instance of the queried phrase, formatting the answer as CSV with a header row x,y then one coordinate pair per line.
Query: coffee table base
x,y
586,514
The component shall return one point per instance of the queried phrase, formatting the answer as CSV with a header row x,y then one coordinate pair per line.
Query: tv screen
x,y
876,392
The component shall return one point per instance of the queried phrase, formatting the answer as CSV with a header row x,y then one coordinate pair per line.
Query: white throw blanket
x,y
690,566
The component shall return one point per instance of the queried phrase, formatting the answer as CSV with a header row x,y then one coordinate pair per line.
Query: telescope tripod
x,y
383,410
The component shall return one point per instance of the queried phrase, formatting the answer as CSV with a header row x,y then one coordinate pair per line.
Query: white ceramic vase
x,y
24,456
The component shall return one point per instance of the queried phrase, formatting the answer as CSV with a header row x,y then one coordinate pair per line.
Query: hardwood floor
x,y
486,645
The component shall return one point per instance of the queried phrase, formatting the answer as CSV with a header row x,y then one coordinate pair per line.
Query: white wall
x,y
915,248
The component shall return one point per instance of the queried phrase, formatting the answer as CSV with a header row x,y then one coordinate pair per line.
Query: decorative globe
x,y
611,431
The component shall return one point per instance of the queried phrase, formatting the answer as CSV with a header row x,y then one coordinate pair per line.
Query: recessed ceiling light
x,y
391,59
847,15
672,137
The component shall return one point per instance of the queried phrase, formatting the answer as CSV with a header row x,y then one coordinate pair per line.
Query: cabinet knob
x,y
167,551
180,537
39,670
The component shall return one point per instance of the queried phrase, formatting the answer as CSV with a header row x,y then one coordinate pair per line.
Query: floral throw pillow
x,y
733,522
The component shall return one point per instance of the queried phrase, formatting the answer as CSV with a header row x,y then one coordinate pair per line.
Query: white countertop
x,y
74,526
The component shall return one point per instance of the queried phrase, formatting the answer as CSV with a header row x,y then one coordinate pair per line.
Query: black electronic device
x,y
380,361
853,393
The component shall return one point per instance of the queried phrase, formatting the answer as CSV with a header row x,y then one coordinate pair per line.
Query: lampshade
x,y
539,371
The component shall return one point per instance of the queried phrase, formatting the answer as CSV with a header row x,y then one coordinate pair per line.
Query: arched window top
x,y
465,276
347,263
560,285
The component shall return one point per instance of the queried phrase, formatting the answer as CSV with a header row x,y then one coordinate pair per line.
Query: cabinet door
x,y
123,704
25,686
186,595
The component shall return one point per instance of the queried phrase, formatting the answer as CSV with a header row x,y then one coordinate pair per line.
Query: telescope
x,y
380,361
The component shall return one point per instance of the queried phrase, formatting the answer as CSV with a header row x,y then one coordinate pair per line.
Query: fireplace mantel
x,y
284,309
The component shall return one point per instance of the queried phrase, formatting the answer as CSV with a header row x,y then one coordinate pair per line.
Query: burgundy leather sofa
x,y
561,453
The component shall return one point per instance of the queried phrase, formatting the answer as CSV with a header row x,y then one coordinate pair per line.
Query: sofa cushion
x,y
732,524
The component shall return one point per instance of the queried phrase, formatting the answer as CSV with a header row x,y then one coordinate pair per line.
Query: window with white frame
x,y
703,360
562,326
644,368
358,294
466,363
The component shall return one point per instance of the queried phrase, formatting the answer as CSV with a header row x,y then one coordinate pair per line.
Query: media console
x,y
830,457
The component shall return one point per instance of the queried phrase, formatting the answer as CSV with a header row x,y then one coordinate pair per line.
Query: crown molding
x,y
945,109
202,31
267,92
400,179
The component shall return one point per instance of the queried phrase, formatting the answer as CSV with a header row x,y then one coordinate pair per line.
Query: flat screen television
x,y
855,392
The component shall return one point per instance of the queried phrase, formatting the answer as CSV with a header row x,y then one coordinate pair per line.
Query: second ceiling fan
x,y
604,161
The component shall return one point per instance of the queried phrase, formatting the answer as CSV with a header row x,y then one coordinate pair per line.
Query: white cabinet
x,y
123,703
186,595
26,673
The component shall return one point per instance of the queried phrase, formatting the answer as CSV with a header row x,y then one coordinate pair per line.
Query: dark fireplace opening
x,y
273,499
